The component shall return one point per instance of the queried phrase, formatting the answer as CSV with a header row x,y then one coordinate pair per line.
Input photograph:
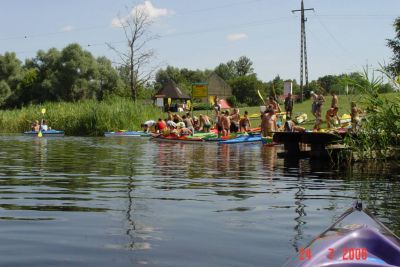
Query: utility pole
x,y
303,48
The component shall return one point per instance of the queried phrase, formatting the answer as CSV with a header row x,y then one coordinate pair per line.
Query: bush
x,y
202,106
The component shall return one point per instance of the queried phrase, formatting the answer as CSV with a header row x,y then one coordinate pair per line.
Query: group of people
x,y
227,122
42,126
331,116
177,125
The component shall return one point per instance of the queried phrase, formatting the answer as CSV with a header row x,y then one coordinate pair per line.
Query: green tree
x,y
226,71
394,44
10,75
5,92
245,88
243,66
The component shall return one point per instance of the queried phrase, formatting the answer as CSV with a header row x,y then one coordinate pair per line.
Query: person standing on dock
x,y
320,102
335,105
289,105
355,117
314,98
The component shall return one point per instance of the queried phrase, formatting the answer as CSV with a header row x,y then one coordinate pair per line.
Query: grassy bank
x,y
90,118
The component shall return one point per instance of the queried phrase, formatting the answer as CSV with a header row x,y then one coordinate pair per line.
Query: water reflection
x,y
145,202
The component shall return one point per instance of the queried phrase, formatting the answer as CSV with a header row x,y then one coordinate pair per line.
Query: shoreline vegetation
x,y
83,118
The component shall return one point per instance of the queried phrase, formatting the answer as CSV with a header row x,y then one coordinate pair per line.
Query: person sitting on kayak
x,y
149,126
35,126
182,130
290,126
244,122
160,125
188,123
176,118
205,123
44,126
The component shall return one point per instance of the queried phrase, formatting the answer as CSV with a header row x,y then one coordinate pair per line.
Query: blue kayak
x,y
46,133
357,238
127,133
253,138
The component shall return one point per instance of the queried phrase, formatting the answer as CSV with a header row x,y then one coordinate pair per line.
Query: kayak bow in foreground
x,y
356,239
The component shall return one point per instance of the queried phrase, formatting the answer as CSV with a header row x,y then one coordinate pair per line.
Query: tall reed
x,y
379,134
86,118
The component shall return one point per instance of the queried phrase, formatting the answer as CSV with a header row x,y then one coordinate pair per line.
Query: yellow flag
x,y
211,99
188,104
169,101
43,111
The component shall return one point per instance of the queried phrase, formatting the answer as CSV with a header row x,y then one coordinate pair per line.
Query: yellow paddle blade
x,y
40,134
211,100
259,94
169,101
43,110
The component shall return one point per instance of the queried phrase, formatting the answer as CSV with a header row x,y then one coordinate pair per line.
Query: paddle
x,y
259,94
43,111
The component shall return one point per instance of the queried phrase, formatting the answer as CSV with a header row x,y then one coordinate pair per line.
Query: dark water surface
x,y
134,202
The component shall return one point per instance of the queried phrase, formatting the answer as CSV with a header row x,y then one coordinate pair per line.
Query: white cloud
x,y
236,36
147,8
67,28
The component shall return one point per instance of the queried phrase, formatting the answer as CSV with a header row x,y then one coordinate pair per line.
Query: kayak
x,y
300,118
357,238
45,133
126,133
251,138
176,139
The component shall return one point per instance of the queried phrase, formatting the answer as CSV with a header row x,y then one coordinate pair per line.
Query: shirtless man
x,y
335,105
226,124
268,122
355,117
218,122
274,104
235,118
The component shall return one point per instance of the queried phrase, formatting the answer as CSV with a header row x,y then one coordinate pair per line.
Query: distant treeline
x,y
73,74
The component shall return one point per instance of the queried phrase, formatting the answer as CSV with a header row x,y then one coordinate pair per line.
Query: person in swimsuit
x,y
245,122
235,118
330,115
314,98
355,117
205,123
226,124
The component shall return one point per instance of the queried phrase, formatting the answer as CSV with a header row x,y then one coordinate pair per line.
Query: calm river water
x,y
75,201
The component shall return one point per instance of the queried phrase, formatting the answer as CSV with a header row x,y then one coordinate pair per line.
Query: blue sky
x,y
342,35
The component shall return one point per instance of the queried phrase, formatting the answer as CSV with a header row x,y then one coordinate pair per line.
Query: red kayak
x,y
177,139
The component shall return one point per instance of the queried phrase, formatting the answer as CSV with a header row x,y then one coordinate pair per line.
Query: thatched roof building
x,y
171,90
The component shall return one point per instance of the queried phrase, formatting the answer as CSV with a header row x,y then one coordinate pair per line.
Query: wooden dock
x,y
307,144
